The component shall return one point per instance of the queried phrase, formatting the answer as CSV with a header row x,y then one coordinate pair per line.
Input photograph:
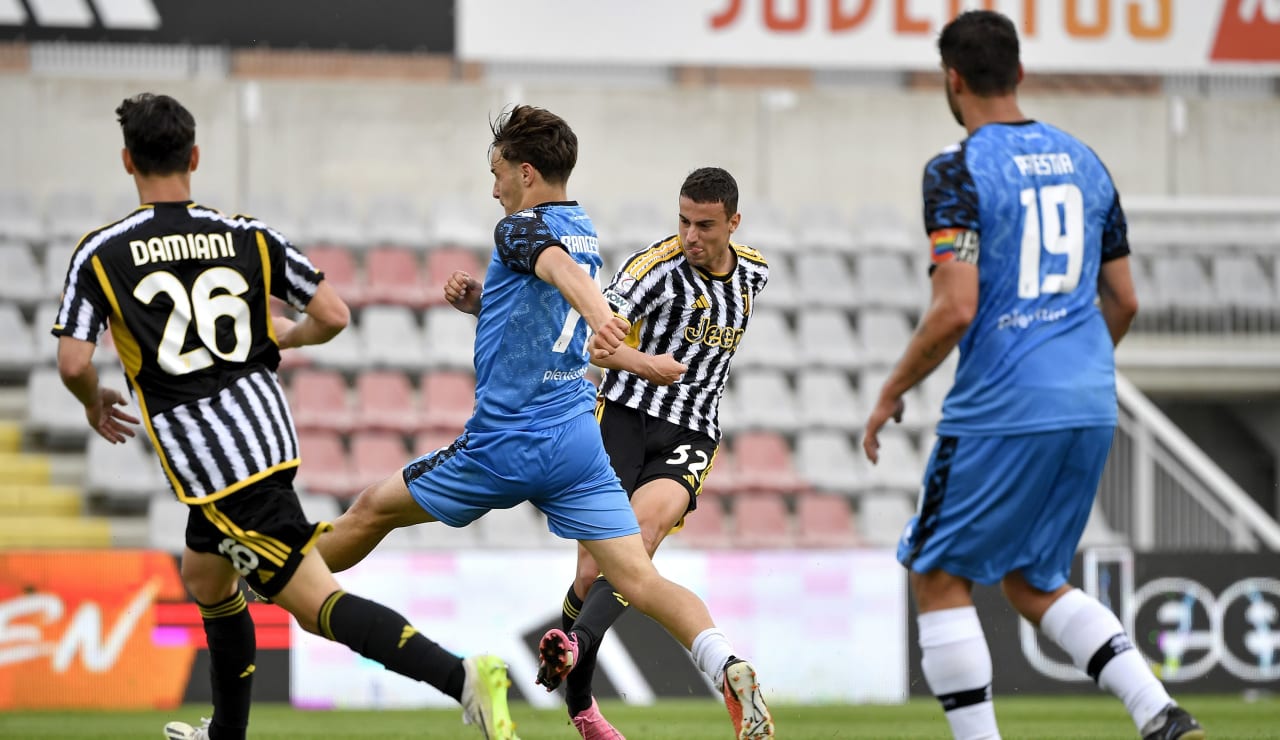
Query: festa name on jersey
x,y
1055,163
173,247
562,375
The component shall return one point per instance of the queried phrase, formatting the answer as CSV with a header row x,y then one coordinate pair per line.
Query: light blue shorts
x,y
562,470
994,505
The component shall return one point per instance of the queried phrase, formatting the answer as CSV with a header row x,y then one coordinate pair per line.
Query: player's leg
x,y
1089,632
214,584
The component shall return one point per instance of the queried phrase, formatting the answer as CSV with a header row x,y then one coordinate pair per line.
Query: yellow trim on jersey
x,y
131,356
266,284
266,546
326,611
223,493
321,528
748,253
599,408
663,251
633,334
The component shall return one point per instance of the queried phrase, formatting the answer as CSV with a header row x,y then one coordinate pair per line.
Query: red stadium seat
x,y
392,276
385,402
339,268
325,468
823,520
722,479
431,440
764,463
705,527
376,455
318,399
442,262
761,520
448,398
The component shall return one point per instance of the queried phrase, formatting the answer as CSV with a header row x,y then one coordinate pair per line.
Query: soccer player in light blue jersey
x,y
1031,279
533,436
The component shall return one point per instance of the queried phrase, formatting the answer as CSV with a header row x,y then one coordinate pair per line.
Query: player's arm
x,y
326,315
1117,298
555,266
464,292
657,369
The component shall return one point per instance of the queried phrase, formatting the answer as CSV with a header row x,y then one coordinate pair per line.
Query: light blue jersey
x,y
1037,212
530,351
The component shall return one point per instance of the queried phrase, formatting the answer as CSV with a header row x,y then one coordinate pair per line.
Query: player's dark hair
x,y
539,137
158,132
982,45
712,185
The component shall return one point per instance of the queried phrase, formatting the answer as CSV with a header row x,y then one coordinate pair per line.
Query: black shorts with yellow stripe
x,y
644,448
261,529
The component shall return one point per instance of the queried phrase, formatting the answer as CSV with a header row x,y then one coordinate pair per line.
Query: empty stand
x,y
761,520
18,350
828,401
459,222
325,467
900,467
821,226
764,463
123,472
53,412
635,225
430,440
392,338
21,278
374,456
521,526
765,401
441,264
448,399
826,339
722,479
825,280
385,401
1193,302
1244,288
393,276
704,527
882,516
883,335
19,218
272,209
332,217
343,352
339,267
829,461
880,228
319,400
71,213
57,260
781,292
450,338
768,342
393,220
765,227
824,520
886,280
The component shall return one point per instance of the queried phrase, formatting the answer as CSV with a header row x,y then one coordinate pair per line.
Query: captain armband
x,y
960,245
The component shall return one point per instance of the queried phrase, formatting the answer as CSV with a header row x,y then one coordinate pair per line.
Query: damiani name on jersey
x,y
554,375
173,247
1023,320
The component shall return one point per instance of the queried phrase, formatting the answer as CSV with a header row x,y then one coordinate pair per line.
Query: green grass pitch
x,y
1038,718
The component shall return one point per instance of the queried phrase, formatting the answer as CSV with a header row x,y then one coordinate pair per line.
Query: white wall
x,y
429,140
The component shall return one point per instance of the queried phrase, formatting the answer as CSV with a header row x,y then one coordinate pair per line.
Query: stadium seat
x,y
450,338
393,220
53,412
828,401
765,227
393,276
722,479
917,413
1244,288
46,345
705,527
430,440
883,335
56,262
332,218
18,350
728,417
880,228
374,456
887,281
385,401
768,342
441,264
19,219
123,472
325,467
166,523
272,209
826,280
764,464
319,400
765,401
900,467
340,271
761,520
70,213
635,225
392,338
21,279
521,526
459,222
826,339
448,400
1191,297
781,292
882,516
823,520
344,352
830,462
821,227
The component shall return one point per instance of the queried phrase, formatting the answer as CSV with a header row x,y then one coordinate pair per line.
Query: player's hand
x,y
281,326
886,409
606,340
463,292
664,369
107,420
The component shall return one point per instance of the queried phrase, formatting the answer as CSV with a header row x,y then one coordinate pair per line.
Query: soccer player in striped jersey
x,y
533,436
185,290
1031,280
688,298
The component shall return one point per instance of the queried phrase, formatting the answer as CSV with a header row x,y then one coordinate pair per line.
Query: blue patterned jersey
x,y
1037,212
531,346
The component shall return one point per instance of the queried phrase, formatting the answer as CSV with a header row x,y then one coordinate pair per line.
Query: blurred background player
x,y
186,290
688,298
1027,233
532,436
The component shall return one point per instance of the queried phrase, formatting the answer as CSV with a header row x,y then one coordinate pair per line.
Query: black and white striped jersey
x,y
696,316
187,291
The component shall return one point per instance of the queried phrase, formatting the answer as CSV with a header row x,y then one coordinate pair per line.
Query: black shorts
x,y
260,528
644,448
